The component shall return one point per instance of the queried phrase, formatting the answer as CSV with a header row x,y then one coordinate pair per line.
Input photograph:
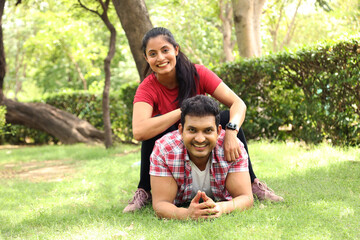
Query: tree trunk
x,y
226,29
65,126
258,7
106,99
67,51
107,61
78,69
291,27
135,21
2,52
247,14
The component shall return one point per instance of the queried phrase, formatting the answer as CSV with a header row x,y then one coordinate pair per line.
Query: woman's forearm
x,y
149,128
237,112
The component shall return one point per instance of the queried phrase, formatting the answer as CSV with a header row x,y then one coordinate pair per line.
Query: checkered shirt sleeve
x,y
164,158
241,164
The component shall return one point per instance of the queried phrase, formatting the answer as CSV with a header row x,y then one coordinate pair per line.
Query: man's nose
x,y
199,137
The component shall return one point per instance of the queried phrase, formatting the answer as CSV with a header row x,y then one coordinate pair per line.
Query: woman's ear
x,y
176,50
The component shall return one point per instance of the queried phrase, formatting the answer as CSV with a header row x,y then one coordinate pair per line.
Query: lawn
x,y
79,191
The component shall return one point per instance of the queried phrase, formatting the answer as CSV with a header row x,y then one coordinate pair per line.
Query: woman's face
x,y
161,55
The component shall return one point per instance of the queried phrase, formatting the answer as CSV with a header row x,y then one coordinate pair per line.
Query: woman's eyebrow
x,y
165,46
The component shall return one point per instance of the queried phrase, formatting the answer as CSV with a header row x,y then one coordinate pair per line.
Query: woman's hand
x,y
231,146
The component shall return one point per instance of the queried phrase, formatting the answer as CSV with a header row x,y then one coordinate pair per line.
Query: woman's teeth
x,y
162,65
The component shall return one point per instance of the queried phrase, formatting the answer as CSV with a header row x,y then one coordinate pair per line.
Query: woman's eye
x,y
166,50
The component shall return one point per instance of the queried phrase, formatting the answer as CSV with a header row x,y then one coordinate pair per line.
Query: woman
x,y
172,79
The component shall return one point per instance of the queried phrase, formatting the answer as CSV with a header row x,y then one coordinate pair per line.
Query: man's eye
x,y
208,130
191,130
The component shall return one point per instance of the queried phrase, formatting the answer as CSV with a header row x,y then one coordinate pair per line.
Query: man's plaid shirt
x,y
170,158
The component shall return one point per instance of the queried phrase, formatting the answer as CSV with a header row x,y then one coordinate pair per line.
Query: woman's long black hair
x,y
186,73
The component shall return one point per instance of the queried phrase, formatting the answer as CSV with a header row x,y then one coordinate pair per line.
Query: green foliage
x,y
45,40
2,119
87,106
194,25
314,91
50,44
329,19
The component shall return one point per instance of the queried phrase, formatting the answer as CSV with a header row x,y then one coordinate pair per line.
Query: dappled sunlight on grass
x,y
293,157
320,184
322,155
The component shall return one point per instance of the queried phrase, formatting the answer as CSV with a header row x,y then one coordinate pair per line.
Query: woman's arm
x,y
227,97
237,115
146,127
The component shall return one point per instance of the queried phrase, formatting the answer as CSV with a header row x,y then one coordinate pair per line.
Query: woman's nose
x,y
160,57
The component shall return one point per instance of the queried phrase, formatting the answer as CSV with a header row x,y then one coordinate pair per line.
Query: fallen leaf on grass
x,y
131,227
119,235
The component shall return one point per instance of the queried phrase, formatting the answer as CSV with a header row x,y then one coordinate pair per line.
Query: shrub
x,y
2,119
315,91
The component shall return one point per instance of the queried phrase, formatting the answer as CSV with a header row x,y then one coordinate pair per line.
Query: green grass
x,y
321,187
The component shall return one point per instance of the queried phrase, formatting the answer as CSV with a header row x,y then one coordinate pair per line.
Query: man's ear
x,y
180,127
219,129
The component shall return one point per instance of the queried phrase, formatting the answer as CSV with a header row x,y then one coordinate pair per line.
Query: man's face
x,y
200,136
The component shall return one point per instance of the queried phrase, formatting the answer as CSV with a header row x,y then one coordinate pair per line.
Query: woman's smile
x,y
161,56
163,64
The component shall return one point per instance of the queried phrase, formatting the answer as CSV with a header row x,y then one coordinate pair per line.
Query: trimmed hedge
x,y
313,93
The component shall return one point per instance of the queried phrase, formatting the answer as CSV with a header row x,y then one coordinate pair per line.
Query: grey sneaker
x,y
140,199
263,192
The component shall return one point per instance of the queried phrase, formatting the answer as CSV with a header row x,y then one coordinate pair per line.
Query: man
x,y
188,166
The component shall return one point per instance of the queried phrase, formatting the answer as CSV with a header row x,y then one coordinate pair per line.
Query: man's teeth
x,y
199,145
162,65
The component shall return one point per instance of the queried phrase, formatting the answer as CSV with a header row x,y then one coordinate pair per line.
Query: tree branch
x,y
221,11
290,27
85,7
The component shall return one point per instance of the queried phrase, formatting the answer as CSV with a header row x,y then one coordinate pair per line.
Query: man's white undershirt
x,y
201,179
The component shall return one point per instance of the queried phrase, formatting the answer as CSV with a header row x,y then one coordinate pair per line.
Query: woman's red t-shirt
x,y
162,99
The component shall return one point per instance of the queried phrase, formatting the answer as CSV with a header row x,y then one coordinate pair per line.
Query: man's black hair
x,y
200,106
